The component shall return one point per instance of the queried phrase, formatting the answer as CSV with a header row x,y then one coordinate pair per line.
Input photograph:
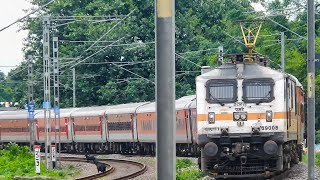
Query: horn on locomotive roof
x,y
250,36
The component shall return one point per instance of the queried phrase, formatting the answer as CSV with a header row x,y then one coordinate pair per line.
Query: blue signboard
x,y
46,104
56,110
31,106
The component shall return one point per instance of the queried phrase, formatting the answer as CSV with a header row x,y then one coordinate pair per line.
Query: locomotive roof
x,y
90,111
124,108
229,71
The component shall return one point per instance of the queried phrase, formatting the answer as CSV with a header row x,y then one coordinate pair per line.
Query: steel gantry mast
x,y
46,86
30,100
55,53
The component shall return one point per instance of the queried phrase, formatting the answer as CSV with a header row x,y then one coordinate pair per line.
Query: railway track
x,y
110,169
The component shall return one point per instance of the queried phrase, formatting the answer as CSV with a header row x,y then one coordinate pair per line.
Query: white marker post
x,y
37,158
53,155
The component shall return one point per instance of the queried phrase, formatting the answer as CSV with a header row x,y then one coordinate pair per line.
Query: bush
x,y
184,163
189,174
19,161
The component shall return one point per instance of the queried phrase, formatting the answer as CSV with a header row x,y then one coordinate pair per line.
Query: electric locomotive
x,y
250,118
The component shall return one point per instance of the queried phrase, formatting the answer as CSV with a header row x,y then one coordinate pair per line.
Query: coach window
x,y
258,90
221,91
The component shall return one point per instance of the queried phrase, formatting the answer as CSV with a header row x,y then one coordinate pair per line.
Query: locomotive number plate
x,y
212,129
267,128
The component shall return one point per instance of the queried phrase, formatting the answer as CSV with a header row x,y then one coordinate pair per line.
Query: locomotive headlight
x,y
211,118
269,116
236,116
243,116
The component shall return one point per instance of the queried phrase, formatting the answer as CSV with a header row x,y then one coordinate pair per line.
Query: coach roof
x,y
89,111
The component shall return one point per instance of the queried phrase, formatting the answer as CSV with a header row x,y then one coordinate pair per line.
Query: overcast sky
x,y
10,39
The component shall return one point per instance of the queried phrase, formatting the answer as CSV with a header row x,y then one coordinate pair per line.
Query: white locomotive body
x,y
250,120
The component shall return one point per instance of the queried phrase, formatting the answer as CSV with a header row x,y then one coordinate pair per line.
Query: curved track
x,y
110,168
142,168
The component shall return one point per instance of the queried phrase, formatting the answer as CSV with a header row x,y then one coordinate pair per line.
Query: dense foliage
x,y
19,161
201,26
185,170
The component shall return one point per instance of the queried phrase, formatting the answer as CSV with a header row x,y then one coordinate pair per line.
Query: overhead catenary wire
x,y
95,53
188,60
286,28
26,16
110,30
134,73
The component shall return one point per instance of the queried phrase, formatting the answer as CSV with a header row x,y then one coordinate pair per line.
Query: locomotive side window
x,y
258,90
221,91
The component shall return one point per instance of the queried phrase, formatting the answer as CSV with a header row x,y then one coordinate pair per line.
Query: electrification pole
x,y
74,86
311,90
46,86
282,52
30,100
165,89
55,53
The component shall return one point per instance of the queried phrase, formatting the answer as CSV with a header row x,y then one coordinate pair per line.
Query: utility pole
x,y
46,86
55,52
30,100
311,90
74,86
282,52
165,89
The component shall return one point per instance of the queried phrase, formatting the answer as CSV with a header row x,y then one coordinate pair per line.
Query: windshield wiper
x,y
263,98
215,99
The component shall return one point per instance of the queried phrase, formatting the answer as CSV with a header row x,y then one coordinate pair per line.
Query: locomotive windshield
x,y
221,91
258,90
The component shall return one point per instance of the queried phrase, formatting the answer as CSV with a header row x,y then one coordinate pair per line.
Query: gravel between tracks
x,y
86,169
298,172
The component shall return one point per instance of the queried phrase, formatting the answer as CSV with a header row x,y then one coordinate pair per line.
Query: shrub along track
x,y
110,169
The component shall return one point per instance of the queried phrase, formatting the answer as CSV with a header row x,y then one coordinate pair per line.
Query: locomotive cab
x,y
243,114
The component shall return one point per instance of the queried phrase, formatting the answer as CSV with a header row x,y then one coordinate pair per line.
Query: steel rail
x,y
91,177
143,168
111,169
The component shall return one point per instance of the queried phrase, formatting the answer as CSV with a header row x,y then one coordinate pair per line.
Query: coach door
x,y
291,109
287,99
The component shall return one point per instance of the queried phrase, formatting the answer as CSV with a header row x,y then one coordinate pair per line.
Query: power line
x,y
110,30
95,53
134,73
123,63
188,60
286,28
20,19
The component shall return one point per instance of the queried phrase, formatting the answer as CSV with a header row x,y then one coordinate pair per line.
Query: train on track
x,y
246,120
250,119
126,128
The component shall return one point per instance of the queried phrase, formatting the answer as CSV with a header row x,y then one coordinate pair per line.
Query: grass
x,y
317,158
18,161
186,174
